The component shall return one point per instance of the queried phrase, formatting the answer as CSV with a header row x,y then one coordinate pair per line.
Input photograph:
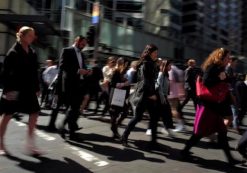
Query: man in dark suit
x,y
241,97
72,71
190,75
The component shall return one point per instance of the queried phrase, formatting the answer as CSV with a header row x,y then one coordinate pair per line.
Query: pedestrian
x,y
93,84
48,76
241,97
20,86
176,92
107,71
131,73
190,75
242,145
119,81
144,96
209,114
163,106
72,71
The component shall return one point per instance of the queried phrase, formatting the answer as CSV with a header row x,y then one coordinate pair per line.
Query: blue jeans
x,y
235,122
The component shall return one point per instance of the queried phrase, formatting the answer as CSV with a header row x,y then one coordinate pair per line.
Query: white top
x,y
107,73
176,83
49,74
78,54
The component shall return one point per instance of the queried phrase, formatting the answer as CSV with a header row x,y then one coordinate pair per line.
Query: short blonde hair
x,y
23,31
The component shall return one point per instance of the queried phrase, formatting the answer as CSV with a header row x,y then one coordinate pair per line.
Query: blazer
x,y
68,77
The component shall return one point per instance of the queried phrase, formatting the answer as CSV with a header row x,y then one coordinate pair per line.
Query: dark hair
x,y
150,48
164,65
80,38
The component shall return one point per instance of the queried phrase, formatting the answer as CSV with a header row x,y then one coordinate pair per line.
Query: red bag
x,y
216,93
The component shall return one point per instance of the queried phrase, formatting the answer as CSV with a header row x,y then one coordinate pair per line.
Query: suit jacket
x,y
241,94
68,77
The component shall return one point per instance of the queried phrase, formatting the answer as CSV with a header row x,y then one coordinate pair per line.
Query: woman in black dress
x,y
20,86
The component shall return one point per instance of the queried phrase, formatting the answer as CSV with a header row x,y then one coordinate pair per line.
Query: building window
x,y
213,36
129,6
190,7
189,29
119,19
176,19
176,4
190,18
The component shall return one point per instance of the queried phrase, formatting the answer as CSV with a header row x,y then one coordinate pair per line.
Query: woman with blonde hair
x,y
107,71
209,114
20,86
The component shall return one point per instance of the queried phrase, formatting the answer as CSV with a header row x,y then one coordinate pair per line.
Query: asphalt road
x,y
96,151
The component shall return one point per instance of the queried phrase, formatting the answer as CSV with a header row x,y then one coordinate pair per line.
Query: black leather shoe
x,y
78,128
154,146
124,142
233,162
73,136
116,136
62,133
51,129
185,154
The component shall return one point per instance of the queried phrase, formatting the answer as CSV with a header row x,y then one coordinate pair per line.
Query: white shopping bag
x,y
118,97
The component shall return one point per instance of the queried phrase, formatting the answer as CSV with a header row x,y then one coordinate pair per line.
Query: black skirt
x,y
26,103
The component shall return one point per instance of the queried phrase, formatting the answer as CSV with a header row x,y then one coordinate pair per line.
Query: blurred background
x,y
182,29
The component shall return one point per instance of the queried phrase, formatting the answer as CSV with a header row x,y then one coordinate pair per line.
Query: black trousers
x,y
222,140
151,106
189,95
242,145
55,110
103,97
165,113
73,100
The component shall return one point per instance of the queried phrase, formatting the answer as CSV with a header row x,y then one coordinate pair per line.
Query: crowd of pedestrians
x,y
149,84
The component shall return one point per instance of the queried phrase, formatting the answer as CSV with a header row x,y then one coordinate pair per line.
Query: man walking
x,y
72,70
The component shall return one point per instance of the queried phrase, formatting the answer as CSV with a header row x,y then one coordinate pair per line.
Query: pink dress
x,y
208,121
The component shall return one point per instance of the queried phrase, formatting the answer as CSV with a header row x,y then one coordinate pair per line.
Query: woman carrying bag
x,y
144,96
209,113
121,84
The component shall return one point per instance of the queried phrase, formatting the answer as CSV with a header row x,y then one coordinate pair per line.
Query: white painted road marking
x,y
88,157
82,154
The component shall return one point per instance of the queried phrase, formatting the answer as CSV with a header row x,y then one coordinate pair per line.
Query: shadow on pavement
x,y
122,154
216,165
201,144
47,165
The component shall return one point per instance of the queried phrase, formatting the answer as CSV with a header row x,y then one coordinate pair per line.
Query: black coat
x,y
190,75
20,74
241,94
145,87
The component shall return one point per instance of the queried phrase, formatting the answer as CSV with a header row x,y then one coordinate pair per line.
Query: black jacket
x,y
145,87
68,77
